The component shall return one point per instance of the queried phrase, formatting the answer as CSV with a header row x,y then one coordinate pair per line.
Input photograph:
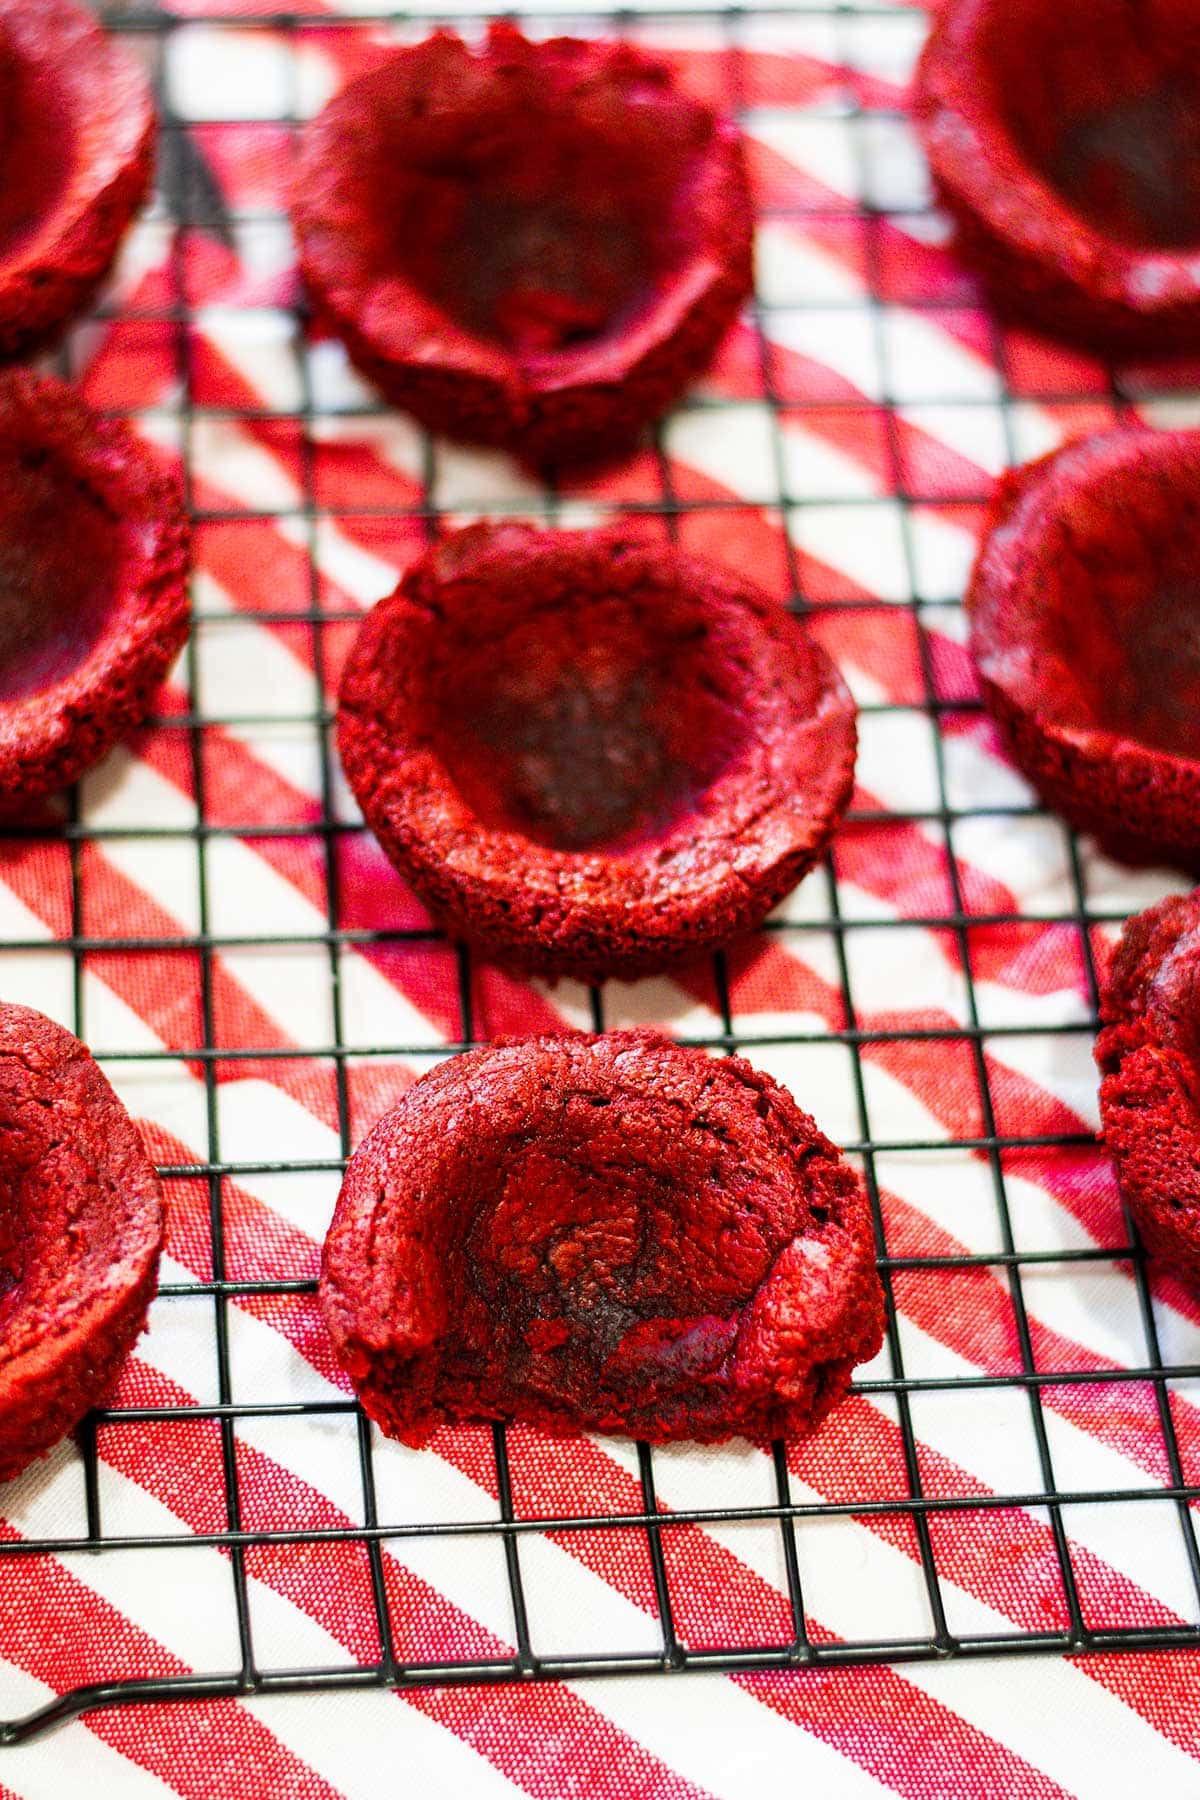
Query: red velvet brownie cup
x,y
603,1234
534,245
591,755
1083,628
93,584
81,1228
1149,1056
1064,139
76,156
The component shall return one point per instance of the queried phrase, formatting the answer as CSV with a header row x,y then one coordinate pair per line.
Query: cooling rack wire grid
x,y
1016,1471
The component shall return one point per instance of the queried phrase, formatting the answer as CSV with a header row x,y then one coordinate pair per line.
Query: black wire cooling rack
x,y
190,199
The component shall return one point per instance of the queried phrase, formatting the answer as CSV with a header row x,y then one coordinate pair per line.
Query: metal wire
x,y
190,202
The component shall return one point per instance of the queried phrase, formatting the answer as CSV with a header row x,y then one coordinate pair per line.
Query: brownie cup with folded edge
x,y
1149,1056
533,245
600,1233
76,157
81,1229
1064,139
1085,629
591,754
93,584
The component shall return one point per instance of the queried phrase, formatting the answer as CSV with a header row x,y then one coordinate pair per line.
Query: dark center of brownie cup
x,y
539,272
540,224
1133,169
1158,703
1104,610
58,566
1103,98
600,730
1139,673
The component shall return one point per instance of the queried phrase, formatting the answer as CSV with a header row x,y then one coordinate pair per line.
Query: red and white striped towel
x,y
868,370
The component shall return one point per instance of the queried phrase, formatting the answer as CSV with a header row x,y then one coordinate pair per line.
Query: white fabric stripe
x,y
656,1001
38,978
70,1760
393,438
977,780
16,919
166,869
974,432
1004,1460
363,577
162,1094
815,467
247,669
844,345
1055,1716
1027,856
125,791
253,1114
257,341
1059,1719
179,1613
794,268
457,1571
350,1738
818,146
741,456
728,1742
225,454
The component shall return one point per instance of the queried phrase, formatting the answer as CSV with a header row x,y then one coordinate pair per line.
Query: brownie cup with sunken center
x,y
600,1233
1085,629
1065,141
81,1228
76,156
93,584
591,754
534,245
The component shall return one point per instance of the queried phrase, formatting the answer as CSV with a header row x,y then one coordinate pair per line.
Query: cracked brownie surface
x,y
1149,1057
600,1233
